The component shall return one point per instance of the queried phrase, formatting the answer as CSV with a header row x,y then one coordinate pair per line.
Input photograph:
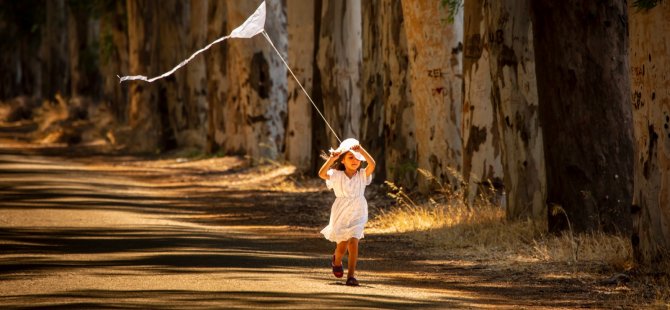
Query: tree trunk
x,y
301,46
388,119
255,108
320,140
374,27
583,85
114,57
482,166
217,83
77,25
399,126
514,96
435,69
650,64
54,51
339,61
196,79
172,89
143,108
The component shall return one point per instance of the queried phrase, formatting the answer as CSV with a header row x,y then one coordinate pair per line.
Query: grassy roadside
x,y
445,226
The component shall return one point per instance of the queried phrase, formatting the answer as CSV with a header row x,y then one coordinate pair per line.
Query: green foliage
x,y
453,6
646,4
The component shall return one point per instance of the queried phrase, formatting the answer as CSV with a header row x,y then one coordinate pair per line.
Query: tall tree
x,y
114,55
514,97
374,24
481,138
54,50
143,108
583,88
435,48
649,66
196,78
339,61
399,120
20,22
172,90
301,46
217,83
387,119
255,105
83,57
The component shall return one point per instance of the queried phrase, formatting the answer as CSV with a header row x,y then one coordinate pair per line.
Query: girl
x,y
350,209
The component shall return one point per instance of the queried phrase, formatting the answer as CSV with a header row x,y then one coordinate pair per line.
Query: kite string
x,y
301,87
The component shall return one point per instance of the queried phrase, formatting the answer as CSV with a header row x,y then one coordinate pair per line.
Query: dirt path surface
x,y
111,231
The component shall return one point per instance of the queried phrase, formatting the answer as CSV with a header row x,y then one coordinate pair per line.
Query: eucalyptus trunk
x,y
172,90
54,51
77,25
113,56
482,167
196,79
399,125
217,82
255,105
339,61
374,26
143,113
649,67
581,50
514,96
388,119
301,45
435,48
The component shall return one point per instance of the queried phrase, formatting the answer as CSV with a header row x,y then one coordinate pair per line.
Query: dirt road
x,y
123,232
105,231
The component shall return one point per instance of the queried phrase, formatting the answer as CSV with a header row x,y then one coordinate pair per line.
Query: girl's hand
x,y
356,147
334,155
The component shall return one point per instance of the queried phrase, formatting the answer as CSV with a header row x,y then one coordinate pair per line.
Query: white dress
x,y
350,209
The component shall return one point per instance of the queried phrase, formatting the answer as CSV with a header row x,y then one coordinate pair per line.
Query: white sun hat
x,y
346,146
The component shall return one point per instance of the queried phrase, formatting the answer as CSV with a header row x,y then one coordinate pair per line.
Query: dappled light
x,y
476,154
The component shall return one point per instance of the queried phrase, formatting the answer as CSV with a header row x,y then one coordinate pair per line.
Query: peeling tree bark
x,y
583,84
196,79
482,165
514,96
255,107
172,89
435,69
388,116
339,61
300,16
374,28
217,83
143,108
114,57
77,26
650,80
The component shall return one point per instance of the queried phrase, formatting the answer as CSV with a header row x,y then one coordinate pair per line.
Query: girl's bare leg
x,y
340,250
353,257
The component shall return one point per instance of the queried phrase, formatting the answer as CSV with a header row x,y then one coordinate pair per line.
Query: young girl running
x,y
350,209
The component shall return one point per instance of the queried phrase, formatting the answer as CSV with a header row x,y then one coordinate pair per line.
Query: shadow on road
x,y
103,218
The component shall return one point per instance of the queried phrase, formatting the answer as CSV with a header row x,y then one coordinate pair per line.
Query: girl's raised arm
x,y
323,172
371,161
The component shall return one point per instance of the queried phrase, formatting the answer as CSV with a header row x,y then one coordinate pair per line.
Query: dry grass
x,y
483,231
447,224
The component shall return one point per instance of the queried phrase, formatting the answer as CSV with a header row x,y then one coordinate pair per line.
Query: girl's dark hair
x,y
338,165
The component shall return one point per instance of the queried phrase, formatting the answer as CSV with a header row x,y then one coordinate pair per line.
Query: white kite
x,y
254,25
